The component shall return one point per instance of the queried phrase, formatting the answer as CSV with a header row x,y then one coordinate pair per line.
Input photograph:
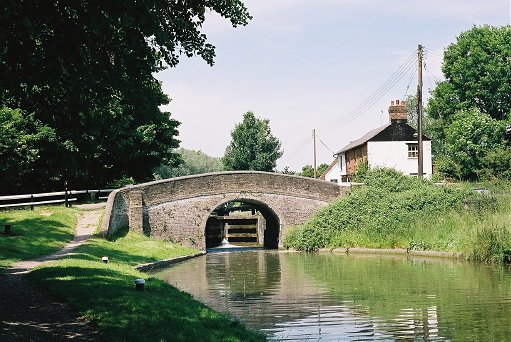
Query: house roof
x,y
364,138
393,131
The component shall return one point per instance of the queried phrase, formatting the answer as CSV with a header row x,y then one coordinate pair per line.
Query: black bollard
x,y
139,284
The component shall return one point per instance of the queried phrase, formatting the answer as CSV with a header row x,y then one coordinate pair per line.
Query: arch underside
x,y
243,222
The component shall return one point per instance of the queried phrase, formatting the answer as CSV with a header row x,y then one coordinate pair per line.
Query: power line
x,y
321,141
431,74
368,104
385,84
433,53
288,157
410,82
409,63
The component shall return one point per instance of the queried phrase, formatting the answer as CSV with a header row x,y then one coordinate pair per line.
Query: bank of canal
x,y
311,296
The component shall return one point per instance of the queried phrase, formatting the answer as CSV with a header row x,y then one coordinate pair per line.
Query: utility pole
x,y
314,139
420,166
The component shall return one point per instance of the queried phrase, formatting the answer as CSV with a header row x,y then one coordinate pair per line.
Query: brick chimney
x,y
397,111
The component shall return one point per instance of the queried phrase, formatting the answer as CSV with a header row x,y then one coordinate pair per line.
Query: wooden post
x,y
420,166
314,138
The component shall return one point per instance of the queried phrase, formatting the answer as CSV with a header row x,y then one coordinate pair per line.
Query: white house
x,y
393,145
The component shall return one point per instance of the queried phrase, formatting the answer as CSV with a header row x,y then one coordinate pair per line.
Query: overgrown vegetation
x,y
35,233
106,294
396,211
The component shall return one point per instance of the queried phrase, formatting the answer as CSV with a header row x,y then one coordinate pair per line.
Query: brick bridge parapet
x,y
177,209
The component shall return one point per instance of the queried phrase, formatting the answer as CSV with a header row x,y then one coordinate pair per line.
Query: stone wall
x,y
177,209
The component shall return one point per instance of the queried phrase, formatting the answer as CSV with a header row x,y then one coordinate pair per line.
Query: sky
x,y
329,65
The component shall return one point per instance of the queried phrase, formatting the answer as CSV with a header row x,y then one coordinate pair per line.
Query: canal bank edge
x,y
355,250
166,262
399,251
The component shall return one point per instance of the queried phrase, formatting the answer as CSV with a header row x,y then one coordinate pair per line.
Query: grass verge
x,y
395,211
106,294
35,233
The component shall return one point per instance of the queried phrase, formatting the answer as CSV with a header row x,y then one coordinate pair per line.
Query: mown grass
x,y
395,211
36,233
106,294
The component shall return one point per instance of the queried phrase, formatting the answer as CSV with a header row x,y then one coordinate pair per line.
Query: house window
x,y
413,150
333,180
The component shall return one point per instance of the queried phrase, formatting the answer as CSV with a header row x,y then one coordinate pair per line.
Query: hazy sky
x,y
309,64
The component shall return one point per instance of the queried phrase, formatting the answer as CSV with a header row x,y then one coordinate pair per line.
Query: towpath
x,y
30,314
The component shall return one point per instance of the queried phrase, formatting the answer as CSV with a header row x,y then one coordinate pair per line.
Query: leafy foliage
x,y
474,147
24,146
308,170
194,162
477,70
85,69
379,214
252,147
287,171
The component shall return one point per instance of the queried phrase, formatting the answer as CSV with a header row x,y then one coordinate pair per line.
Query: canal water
x,y
335,297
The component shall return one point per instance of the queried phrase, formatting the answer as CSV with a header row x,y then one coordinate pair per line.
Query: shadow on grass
x,y
95,253
132,249
106,293
33,237
120,233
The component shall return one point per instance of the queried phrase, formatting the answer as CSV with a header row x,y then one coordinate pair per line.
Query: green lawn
x,y
39,232
106,294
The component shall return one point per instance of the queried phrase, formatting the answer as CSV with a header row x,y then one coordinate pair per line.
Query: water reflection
x,y
298,296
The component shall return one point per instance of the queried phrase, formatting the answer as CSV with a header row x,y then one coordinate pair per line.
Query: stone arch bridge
x,y
178,209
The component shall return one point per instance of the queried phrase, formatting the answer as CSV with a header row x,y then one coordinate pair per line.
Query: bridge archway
x,y
177,209
262,223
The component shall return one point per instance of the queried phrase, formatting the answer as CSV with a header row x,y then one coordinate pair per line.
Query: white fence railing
x,y
67,197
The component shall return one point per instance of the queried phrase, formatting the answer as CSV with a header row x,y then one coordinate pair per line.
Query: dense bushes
x,y
393,210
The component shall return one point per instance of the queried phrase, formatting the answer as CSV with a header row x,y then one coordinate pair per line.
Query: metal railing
x,y
67,197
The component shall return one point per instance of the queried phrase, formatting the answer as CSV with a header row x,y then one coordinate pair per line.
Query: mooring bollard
x,y
7,229
139,284
105,259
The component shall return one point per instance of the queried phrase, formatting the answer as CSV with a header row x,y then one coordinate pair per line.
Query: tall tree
x,y
477,70
252,147
85,69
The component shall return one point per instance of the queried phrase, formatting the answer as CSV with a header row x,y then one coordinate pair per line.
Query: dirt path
x,y
27,314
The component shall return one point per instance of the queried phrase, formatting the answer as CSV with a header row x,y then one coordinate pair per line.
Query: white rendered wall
x,y
334,173
341,164
338,170
394,154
